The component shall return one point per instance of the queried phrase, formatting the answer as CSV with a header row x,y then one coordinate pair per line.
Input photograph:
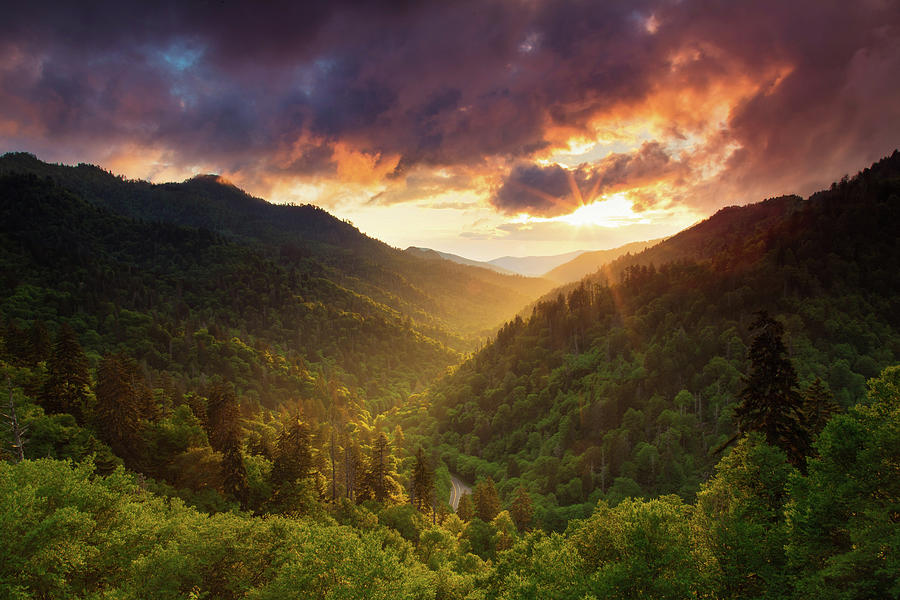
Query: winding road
x,y
457,489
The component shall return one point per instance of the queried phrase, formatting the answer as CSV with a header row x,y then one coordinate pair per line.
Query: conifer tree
x,y
465,510
67,386
486,500
15,347
522,509
818,407
770,402
223,415
38,348
422,483
377,483
293,453
117,413
234,474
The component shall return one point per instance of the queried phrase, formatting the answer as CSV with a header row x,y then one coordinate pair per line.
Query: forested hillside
x,y
192,410
624,384
589,262
450,302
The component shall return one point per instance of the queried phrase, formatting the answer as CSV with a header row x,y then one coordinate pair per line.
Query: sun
x,y
614,210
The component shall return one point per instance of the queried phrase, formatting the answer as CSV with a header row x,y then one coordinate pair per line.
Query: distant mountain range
x,y
533,266
558,268
429,254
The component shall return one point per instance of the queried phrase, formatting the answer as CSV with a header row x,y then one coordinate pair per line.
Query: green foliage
x,y
618,386
68,534
843,517
739,520
486,500
770,401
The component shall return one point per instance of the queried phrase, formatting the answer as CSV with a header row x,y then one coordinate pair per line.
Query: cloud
x,y
735,99
553,190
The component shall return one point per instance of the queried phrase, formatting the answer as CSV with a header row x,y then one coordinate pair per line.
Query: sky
x,y
483,128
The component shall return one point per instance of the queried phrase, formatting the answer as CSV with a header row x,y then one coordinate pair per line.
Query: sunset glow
x,y
576,127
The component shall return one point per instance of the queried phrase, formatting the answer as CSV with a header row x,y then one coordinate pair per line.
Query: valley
x,y
188,358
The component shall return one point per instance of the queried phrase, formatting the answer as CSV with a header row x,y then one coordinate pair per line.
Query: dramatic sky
x,y
482,128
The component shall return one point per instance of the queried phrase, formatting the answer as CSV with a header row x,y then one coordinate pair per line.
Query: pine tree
x,y
377,483
522,509
422,483
770,402
293,454
38,348
465,510
818,407
223,415
486,500
118,416
67,387
234,474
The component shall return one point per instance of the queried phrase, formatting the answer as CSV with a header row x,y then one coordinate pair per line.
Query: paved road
x,y
457,488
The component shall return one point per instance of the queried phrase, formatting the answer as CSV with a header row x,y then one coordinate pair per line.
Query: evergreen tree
x,y
223,415
15,347
770,402
377,483
818,407
234,474
466,509
67,386
521,509
422,483
293,454
486,500
117,412
38,348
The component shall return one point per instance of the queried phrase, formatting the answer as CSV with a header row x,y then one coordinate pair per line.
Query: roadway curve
x,y
457,488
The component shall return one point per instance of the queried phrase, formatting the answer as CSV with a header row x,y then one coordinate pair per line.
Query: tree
x,y
38,343
223,415
422,492
739,520
234,473
16,431
844,521
486,500
117,413
818,407
378,483
770,402
67,387
293,453
522,509
466,509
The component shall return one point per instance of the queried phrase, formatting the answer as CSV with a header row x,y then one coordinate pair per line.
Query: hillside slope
x,y
588,262
622,388
464,302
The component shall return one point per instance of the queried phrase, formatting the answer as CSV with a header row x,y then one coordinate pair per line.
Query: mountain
x,y
624,383
533,266
588,262
310,240
430,254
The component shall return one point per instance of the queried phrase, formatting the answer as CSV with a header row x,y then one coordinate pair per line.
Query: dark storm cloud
x,y
553,190
270,88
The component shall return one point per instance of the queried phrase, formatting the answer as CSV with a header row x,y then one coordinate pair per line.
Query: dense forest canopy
x,y
209,396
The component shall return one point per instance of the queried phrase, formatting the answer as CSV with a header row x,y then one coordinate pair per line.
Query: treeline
x,y
188,305
758,528
625,389
308,241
